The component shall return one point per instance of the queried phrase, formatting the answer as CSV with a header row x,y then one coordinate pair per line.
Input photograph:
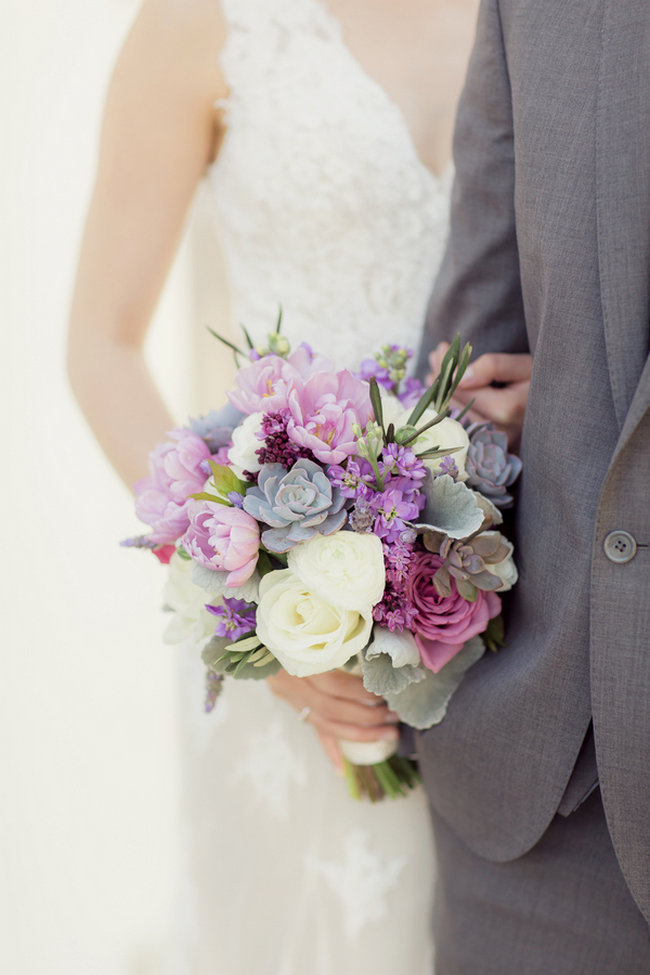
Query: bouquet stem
x,y
392,778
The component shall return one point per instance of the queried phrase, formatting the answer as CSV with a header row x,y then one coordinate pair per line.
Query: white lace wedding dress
x,y
324,208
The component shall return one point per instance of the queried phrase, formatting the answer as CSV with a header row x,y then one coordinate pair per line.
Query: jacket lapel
x,y
623,203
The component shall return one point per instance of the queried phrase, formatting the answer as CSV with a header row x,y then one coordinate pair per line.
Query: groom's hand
x,y
339,708
498,382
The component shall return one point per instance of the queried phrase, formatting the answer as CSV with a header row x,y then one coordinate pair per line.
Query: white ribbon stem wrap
x,y
367,752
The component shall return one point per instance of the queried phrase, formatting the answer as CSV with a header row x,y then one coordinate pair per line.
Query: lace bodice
x,y
323,206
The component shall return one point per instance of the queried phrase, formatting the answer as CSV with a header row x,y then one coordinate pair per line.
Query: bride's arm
x,y
158,134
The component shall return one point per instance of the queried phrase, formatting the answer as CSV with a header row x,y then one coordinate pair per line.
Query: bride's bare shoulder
x,y
179,38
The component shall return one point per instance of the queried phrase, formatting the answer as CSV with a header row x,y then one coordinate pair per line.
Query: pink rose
x,y
323,412
443,624
222,538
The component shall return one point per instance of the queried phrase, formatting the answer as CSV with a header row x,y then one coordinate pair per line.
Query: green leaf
x,y
465,409
375,400
494,633
423,403
225,342
278,325
204,496
225,479
249,340
427,426
264,564
183,554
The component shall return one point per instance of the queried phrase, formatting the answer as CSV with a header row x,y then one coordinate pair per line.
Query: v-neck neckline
x,y
438,179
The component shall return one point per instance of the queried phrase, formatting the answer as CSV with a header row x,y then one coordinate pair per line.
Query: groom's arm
x,y
478,291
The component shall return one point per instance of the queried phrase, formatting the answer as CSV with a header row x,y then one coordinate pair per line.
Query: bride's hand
x,y
339,708
503,404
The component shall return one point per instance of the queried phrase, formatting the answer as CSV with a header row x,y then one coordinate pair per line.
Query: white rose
x,y
446,435
307,634
242,455
191,620
345,569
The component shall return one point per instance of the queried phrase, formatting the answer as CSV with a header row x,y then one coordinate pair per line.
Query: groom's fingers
x,y
497,367
503,406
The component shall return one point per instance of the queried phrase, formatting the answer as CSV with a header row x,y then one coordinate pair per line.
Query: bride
x,y
324,127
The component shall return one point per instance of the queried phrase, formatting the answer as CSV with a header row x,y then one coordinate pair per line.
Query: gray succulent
x,y
296,504
216,427
469,563
490,468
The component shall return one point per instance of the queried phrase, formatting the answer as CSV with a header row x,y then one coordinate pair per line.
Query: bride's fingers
x,y
332,750
340,683
352,732
327,709
337,709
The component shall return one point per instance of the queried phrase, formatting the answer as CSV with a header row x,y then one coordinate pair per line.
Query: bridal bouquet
x,y
326,519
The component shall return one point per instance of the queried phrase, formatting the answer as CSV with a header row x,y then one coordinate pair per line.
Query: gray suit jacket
x,y
550,251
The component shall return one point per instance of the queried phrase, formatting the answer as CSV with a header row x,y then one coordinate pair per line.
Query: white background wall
x,y
89,766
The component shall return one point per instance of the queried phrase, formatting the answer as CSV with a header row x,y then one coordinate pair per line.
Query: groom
x,y
539,775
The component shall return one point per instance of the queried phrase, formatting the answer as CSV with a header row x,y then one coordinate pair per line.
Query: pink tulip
x,y
222,538
324,411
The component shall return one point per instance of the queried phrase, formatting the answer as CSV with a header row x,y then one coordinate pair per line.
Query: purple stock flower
x,y
354,481
296,504
395,611
398,559
370,369
448,466
236,617
411,392
406,472
392,510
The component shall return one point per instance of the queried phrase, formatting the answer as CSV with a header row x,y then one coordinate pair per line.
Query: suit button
x,y
619,547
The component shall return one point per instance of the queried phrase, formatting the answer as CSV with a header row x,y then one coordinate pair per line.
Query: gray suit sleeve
x,y
478,291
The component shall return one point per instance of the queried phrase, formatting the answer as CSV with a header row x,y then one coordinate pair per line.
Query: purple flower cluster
x,y
357,480
236,618
411,392
395,611
387,497
388,368
448,466
278,448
